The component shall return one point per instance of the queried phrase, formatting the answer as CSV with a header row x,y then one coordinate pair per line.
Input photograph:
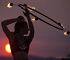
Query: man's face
x,y
25,29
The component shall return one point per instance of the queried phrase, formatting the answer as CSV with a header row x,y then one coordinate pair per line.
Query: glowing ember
x,y
7,48
33,19
30,7
61,24
9,5
65,33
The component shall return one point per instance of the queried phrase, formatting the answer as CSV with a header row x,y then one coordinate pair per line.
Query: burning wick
x,y
33,19
10,5
67,33
61,24
30,7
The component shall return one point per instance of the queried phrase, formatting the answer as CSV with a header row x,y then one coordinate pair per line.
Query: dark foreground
x,y
33,58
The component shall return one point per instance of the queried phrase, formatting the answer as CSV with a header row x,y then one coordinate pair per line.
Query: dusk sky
x,y
48,41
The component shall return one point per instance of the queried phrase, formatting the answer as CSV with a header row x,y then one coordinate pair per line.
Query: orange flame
x,y
9,5
62,25
33,19
65,33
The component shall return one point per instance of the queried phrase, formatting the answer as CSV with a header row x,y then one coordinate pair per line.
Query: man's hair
x,y
19,25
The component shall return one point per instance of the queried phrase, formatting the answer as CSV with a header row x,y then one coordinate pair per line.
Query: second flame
x,y
33,19
31,7
65,33
9,5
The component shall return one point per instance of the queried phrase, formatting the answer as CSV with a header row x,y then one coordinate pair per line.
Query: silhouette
x,y
19,43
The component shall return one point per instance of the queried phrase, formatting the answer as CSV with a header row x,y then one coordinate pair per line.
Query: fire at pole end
x,y
67,33
10,5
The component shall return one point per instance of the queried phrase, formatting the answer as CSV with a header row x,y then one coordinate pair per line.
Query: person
x,y
19,42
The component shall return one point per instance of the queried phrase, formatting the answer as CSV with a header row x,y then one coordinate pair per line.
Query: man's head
x,y
21,27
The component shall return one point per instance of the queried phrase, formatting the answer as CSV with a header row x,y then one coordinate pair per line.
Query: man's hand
x,y
26,13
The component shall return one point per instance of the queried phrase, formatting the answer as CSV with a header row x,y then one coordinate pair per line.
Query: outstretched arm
x,y
31,27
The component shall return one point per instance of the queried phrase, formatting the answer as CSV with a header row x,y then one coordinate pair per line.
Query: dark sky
x,y
48,41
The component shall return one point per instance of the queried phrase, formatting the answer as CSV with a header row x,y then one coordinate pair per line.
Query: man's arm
x,y
6,30
31,27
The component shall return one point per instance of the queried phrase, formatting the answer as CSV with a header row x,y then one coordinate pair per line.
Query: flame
x,y
9,5
65,33
33,19
31,7
61,24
